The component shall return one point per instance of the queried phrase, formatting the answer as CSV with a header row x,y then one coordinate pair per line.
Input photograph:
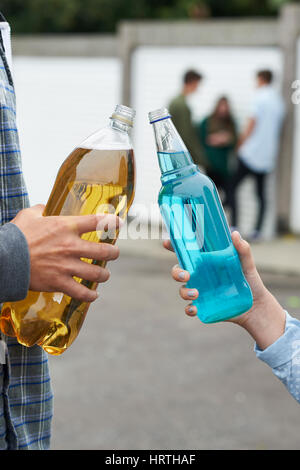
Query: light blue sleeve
x,y
283,356
256,105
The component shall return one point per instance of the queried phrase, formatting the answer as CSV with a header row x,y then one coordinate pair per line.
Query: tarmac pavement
x,y
142,375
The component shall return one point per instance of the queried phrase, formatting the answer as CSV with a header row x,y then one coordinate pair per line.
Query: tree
x,y
37,16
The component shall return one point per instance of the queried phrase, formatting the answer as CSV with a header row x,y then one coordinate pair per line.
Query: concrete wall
x,y
190,34
65,45
295,206
289,32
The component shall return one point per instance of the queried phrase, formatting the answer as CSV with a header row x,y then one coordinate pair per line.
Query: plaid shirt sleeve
x,y
25,392
13,193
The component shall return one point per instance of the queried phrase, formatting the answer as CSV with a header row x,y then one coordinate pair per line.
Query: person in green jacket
x,y
182,117
218,136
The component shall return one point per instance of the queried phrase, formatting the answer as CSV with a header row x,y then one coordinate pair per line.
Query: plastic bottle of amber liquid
x,y
98,174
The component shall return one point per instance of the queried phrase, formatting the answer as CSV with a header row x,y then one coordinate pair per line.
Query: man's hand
x,y
265,321
55,249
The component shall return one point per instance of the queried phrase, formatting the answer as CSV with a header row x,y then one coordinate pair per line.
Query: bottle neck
x,y
174,159
120,125
175,165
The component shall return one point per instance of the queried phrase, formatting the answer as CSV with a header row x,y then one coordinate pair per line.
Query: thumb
x,y
245,253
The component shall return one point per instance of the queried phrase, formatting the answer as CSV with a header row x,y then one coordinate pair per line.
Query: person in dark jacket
x,y
182,117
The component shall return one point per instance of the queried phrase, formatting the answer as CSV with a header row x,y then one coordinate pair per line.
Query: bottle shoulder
x,y
108,138
192,185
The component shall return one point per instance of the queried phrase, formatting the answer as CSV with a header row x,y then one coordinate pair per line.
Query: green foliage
x,y
34,16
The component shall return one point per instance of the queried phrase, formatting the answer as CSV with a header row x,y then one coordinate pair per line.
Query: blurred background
x,y
141,375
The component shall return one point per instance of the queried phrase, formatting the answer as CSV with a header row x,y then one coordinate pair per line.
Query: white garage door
x,y
157,74
60,102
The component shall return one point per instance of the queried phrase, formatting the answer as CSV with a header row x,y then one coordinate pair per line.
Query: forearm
x,y
266,323
277,335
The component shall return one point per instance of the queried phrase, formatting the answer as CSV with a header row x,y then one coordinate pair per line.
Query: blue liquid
x,y
195,219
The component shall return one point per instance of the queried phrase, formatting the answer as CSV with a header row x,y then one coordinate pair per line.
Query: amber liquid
x,y
88,182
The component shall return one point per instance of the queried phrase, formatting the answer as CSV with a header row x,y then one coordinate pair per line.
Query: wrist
x,y
265,322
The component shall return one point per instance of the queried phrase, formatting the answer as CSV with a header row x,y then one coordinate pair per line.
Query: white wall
x,y
295,196
60,101
157,75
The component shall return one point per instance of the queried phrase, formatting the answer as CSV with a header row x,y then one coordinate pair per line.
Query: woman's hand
x,y
220,139
265,321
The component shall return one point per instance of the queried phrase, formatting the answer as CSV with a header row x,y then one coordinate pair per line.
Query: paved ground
x,y
141,375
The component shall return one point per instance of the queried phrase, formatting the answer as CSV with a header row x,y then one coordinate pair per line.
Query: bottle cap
x,y
159,115
124,114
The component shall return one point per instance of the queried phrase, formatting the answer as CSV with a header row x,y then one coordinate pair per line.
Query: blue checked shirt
x,y
26,396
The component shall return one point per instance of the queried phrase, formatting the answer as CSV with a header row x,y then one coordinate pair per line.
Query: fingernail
x,y
191,293
241,238
181,276
190,310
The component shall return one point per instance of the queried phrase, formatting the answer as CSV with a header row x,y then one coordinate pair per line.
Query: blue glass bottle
x,y
199,232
